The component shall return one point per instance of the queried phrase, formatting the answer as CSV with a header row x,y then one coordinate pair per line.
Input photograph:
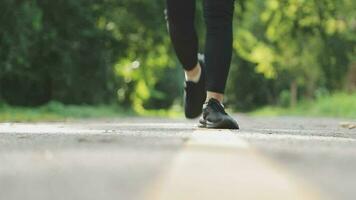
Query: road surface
x,y
169,159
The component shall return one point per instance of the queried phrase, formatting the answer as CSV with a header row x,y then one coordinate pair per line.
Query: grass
x,y
55,111
335,105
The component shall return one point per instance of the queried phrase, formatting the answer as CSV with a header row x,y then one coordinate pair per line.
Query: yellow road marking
x,y
222,166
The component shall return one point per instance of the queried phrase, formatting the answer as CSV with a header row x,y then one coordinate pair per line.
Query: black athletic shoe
x,y
195,95
214,116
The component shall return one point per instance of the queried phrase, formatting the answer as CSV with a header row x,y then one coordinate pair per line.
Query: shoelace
x,y
216,106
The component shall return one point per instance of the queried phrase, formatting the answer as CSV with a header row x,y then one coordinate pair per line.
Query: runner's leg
x,y
180,16
218,16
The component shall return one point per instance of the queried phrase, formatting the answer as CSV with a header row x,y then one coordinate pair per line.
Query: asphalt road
x,y
152,158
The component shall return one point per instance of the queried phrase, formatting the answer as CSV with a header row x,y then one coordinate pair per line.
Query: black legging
x,y
218,16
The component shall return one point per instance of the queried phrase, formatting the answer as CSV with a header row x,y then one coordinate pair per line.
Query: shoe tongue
x,y
216,101
215,104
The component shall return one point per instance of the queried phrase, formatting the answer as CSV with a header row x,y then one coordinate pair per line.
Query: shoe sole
x,y
223,124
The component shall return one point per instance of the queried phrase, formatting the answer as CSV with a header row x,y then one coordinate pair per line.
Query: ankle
x,y
215,95
193,74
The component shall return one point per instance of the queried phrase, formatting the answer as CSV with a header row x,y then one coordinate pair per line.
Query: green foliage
x,y
53,50
284,98
167,91
307,42
335,105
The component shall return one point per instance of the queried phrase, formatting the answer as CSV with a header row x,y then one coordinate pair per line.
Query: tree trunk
x,y
293,93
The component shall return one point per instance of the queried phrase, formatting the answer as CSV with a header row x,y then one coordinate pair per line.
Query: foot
x,y
195,95
214,116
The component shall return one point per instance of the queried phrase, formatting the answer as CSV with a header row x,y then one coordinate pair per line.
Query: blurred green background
x,y
102,58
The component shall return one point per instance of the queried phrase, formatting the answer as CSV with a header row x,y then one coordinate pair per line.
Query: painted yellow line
x,y
222,166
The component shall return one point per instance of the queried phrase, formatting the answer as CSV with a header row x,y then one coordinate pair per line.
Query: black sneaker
x,y
195,95
214,116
